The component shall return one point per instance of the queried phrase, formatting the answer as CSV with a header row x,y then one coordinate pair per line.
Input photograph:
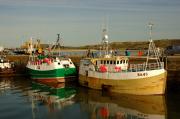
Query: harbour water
x,y
22,98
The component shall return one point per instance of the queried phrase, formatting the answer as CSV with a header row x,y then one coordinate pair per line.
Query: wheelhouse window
x,y
126,61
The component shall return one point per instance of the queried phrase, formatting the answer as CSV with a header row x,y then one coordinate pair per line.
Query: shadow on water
x,y
22,98
173,94
173,82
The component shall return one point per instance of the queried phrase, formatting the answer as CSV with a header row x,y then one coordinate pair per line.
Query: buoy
x,y
49,62
103,68
140,53
120,115
117,68
46,60
104,112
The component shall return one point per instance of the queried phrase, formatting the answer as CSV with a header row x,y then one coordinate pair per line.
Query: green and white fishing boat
x,y
49,68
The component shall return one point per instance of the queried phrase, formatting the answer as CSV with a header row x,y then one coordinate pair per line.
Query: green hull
x,y
52,74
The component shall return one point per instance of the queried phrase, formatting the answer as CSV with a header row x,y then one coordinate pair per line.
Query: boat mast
x,y
57,45
105,42
152,50
30,46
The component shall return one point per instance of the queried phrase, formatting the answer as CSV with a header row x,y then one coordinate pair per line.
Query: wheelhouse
x,y
112,64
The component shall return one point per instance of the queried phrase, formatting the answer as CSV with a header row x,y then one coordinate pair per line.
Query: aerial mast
x,y
57,44
152,50
58,41
105,41
150,31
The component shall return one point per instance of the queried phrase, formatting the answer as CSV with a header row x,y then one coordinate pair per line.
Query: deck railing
x,y
143,67
132,68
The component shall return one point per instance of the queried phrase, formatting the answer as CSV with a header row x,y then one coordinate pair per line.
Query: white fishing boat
x,y
6,67
117,74
49,68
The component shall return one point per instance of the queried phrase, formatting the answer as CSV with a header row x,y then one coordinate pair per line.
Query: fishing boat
x,y
118,74
6,67
50,68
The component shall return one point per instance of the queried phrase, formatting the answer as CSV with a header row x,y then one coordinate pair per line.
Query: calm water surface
x,y
21,98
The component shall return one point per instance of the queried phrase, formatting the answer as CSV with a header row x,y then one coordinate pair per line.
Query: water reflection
x,y
4,85
21,98
116,106
53,95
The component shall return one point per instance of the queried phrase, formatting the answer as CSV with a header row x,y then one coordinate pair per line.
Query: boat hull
x,y
55,75
151,85
7,72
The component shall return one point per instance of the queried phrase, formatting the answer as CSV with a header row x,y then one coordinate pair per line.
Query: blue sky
x,y
80,21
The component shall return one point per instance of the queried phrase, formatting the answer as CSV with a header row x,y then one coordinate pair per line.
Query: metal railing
x,y
142,67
